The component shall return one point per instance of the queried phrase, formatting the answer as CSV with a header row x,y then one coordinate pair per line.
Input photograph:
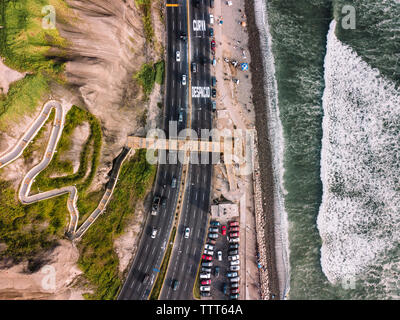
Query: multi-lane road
x,y
196,114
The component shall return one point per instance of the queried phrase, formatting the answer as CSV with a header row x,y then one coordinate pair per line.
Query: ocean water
x,y
337,102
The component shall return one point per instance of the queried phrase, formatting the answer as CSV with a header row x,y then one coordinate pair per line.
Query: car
x,y
194,67
211,3
178,56
233,252
183,36
232,274
216,271
209,252
214,223
213,235
235,279
206,264
213,45
175,285
219,254
232,229
234,234
234,240
154,207
153,233
173,183
234,296
235,285
204,269
211,32
212,241
213,92
235,262
214,230
214,105
208,246
213,81
233,258
205,288
225,288
233,223
205,294
223,230
236,290
234,268
196,3
214,61
180,116
184,79
206,257
205,282
164,201
146,278
234,246
211,19
205,275
187,233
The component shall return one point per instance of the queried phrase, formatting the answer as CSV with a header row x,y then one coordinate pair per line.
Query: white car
x,y
178,56
234,268
209,252
205,275
204,288
187,233
184,80
233,258
235,263
219,254
231,240
209,247
154,233
211,19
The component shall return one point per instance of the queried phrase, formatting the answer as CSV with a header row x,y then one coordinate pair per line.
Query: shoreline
x,y
260,98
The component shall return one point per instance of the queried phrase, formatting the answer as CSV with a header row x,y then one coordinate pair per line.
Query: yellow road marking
x,y
172,5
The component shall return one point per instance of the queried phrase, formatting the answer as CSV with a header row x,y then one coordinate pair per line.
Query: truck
x,y
154,207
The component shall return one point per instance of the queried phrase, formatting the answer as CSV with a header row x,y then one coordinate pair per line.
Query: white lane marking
x,y
198,233
132,284
147,247
194,250
196,196
140,265
183,266
152,251
204,179
204,195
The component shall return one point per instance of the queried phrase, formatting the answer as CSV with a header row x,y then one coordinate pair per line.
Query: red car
x,y
233,223
206,282
223,230
234,234
232,291
234,229
206,257
213,45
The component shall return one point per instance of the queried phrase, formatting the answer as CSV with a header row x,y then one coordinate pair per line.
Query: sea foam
x,y
359,220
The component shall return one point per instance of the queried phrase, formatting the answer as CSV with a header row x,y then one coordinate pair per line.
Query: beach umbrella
x,y
244,66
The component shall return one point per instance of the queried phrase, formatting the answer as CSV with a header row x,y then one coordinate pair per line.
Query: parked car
x,y
178,56
213,235
213,45
184,79
219,254
211,3
234,234
233,252
233,223
205,282
204,288
223,230
213,81
214,105
154,233
215,223
234,268
234,246
209,252
213,92
236,290
236,279
225,288
211,19
235,262
205,275
206,257
175,285
234,296
204,269
216,272
206,264
232,229
187,233
235,285
209,246
211,30
234,240
213,229
232,274
212,241
205,294
214,61
233,258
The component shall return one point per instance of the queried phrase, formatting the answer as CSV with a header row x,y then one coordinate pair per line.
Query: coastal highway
x,y
150,252
187,253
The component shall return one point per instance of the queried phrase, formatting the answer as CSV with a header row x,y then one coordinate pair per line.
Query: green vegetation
x,y
98,259
145,6
149,74
196,288
155,293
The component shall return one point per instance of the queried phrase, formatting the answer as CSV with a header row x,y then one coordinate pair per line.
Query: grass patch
x,y
155,293
97,256
148,75
196,288
145,6
160,71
